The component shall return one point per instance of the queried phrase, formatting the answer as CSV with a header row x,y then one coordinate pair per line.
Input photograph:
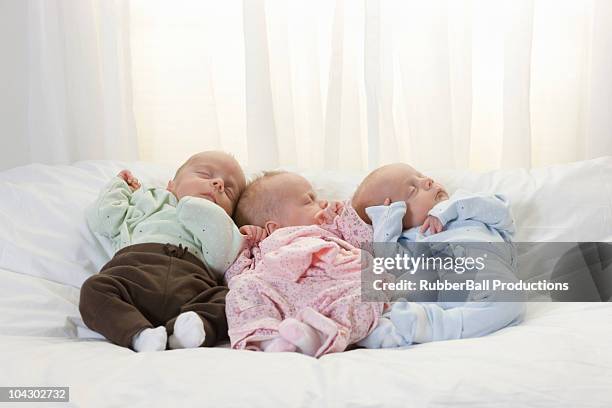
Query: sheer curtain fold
x,y
373,80
599,96
79,87
200,80
261,131
481,84
516,145
472,83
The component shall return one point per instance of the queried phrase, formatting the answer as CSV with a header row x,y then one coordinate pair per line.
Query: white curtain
x,y
346,84
69,76
189,83
340,84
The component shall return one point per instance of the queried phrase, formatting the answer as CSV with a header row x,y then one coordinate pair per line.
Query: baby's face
x,y
214,176
297,202
400,182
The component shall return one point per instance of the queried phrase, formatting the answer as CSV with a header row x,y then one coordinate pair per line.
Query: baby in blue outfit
x,y
407,208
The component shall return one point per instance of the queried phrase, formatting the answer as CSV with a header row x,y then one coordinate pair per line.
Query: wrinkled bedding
x,y
561,356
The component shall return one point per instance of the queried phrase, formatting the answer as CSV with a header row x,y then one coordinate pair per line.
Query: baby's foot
x,y
385,335
188,331
150,340
411,322
301,335
276,345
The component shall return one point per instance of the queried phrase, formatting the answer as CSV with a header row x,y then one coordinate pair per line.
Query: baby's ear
x,y
271,226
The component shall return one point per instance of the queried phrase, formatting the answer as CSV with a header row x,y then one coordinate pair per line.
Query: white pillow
x,y
44,232
42,212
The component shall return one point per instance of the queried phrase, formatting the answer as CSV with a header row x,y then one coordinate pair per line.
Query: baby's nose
x,y
427,183
218,184
323,204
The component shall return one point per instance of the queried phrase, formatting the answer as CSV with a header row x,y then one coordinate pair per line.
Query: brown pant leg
x,y
199,292
107,306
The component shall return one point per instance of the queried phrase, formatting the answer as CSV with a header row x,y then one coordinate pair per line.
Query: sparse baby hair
x,y
256,205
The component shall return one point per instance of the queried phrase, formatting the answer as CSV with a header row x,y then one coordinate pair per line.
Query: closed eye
x,y
228,192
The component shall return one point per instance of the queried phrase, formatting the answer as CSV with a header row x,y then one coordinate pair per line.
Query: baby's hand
x,y
327,215
129,178
433,224
253,233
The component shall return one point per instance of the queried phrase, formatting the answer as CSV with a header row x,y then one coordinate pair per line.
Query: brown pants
x,y
149,285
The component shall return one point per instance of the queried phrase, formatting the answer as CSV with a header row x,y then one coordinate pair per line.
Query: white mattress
x,y
561,356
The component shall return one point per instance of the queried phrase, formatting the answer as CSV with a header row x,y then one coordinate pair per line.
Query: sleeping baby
x,y
406,207
163,285
296,287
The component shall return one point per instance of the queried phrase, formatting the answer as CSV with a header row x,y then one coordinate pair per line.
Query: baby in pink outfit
x,y
297,286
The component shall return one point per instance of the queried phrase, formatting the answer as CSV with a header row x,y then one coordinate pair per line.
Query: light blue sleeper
x,y
478,220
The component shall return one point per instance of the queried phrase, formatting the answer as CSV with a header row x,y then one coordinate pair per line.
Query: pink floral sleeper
x,y
310,273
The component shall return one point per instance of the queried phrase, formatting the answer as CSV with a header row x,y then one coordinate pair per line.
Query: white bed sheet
x,y
560,356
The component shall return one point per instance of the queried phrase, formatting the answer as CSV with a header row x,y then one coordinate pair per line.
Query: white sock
x,y
411,321
423,332
188,331
303,336
385,335
150,340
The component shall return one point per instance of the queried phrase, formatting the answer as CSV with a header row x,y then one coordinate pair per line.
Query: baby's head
x,y
278,199
399,182
212,175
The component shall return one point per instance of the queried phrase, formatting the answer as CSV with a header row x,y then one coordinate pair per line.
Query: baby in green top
x,y
163,288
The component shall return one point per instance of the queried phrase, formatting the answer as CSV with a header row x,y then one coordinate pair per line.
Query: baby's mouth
x,y
441,195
